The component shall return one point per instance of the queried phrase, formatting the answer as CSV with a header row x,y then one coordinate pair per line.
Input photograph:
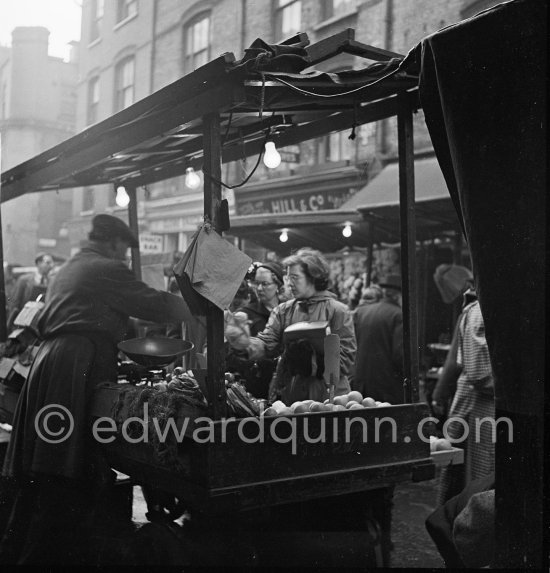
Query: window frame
x,y
193,59
331,153
92,104
123,10
328,11
120,88
279,8
88,199
96,19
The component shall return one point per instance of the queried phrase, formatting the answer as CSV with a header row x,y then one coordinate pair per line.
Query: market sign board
x,y
322,190
299,203
151,243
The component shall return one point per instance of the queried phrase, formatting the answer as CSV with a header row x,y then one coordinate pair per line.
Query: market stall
x,y
218,113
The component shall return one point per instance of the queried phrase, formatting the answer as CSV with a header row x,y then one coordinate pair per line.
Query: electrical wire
x,y
245,180
328,96
227,128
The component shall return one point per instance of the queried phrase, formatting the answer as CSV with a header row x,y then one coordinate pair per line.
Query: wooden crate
x,y
380,446
452,457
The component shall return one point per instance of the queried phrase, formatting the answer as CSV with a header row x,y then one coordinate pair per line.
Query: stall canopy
x,y
273,90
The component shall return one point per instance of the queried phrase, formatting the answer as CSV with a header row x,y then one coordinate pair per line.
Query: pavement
x,y
413,547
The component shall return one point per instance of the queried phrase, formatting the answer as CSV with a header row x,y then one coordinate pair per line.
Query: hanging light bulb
x,y
122,198
283,237
192,180
272,158
346,231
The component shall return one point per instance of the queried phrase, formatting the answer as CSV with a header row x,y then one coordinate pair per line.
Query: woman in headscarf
x,y
296,378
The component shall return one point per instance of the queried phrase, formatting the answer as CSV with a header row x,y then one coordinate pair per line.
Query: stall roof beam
x,y
345,42
366,113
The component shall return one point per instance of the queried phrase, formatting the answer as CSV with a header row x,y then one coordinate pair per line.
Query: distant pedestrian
x,y
370,294
379,332
30,286
10,281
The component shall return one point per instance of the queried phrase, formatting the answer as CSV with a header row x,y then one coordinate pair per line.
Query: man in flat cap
x,y
379,332
106,228
86,313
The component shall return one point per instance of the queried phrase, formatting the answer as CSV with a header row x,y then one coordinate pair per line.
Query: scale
x,y
149,358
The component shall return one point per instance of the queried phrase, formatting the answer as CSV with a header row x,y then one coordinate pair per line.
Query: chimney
x,y
29,71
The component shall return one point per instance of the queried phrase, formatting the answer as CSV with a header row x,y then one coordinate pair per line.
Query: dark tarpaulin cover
x,y
291,62
483,90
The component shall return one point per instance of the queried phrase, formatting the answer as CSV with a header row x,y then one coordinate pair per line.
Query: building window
x,y
336,147
93,101
88,200
126,9
95,20
124,83
197,43
335,8
288,18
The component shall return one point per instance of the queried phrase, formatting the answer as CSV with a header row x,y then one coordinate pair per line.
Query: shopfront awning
x,y
378,201
317,229
373,213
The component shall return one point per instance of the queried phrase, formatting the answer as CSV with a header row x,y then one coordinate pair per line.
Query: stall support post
x,y
408,246
370,235
215,362
3,313
133,223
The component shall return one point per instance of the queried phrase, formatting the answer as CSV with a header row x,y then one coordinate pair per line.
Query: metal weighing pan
x,y
154,352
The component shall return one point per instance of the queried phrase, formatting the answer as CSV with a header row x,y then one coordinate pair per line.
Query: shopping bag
x,y
218,268
195,302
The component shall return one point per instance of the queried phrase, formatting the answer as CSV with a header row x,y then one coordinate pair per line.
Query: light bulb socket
x,y
272,158
283,237
192,179
122,199
347,231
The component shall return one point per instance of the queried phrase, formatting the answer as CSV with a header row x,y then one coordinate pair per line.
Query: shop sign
x,y
150,243
176,225
298,204
290,154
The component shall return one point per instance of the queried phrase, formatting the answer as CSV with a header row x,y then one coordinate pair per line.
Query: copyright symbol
x,y
54,423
